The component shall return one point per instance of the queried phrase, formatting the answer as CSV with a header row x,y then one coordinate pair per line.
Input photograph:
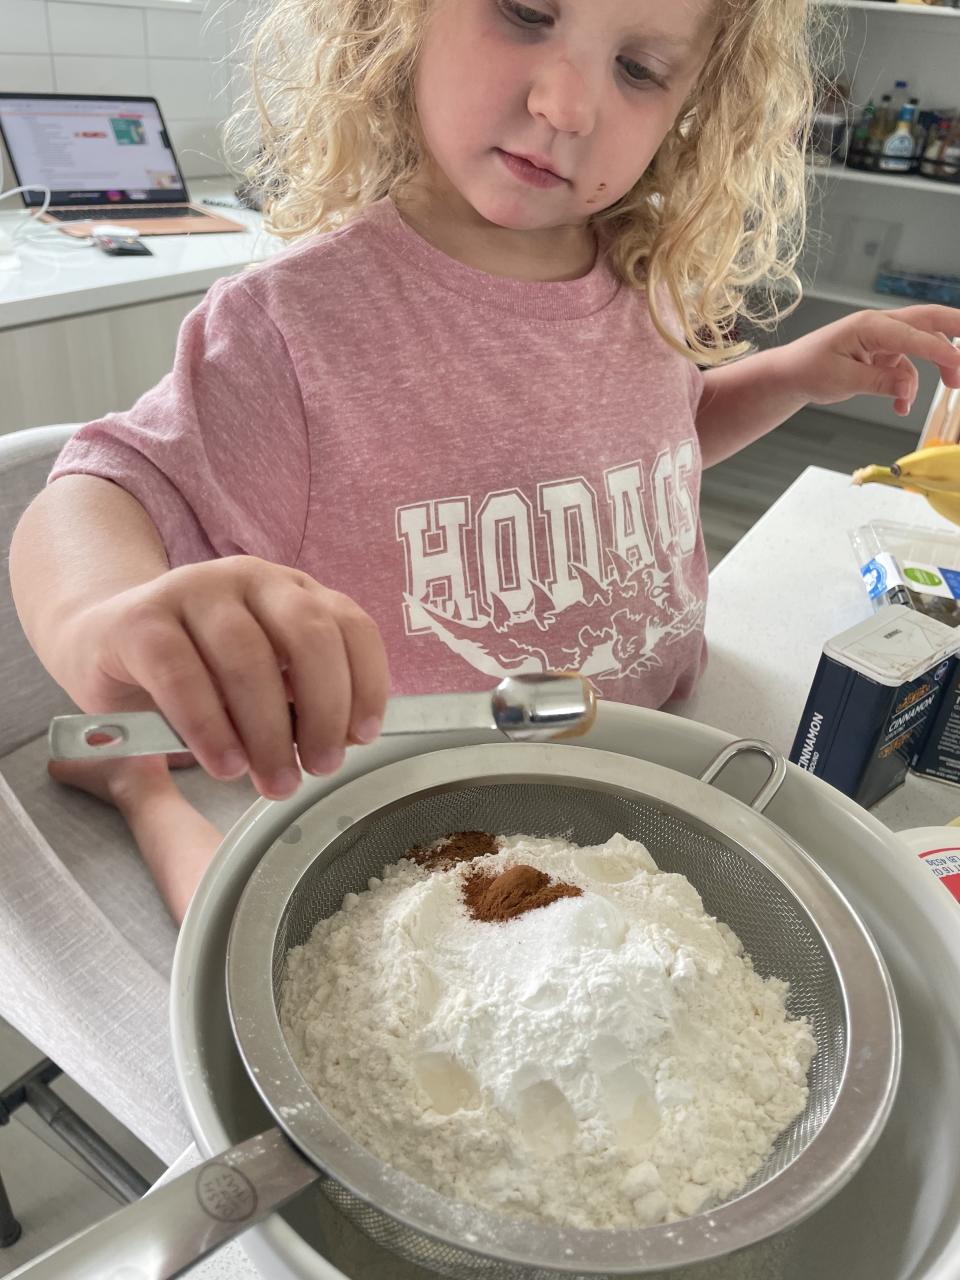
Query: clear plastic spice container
x,y
910,565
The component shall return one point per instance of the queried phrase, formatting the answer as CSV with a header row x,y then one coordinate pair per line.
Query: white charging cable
x,y
14,191
29,227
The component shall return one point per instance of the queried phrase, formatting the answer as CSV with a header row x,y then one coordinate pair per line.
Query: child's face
x,y
589,88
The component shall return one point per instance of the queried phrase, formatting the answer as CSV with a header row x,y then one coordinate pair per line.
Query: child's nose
x,y
562,95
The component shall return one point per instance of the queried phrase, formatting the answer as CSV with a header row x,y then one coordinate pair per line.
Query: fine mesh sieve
x,y
793,923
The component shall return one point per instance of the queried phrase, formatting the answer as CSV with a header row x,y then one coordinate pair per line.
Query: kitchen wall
x,y
176,50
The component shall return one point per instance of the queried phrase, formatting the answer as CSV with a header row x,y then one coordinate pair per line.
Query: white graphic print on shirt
x,y
605,594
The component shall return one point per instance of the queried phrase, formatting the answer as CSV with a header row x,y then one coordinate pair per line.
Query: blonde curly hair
x,y
711,231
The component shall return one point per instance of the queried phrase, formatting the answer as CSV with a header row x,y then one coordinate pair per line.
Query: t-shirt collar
x,y
544,300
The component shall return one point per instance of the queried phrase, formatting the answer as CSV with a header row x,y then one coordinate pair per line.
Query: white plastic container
x,y
939,849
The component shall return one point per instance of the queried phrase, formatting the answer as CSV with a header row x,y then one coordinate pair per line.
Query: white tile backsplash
x,y
23,27
189,89
233,18
96,29
184,35
178,56
27,72
198,147
100,75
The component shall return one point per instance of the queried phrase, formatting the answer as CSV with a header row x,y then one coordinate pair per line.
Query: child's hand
x,y
868,353
218,646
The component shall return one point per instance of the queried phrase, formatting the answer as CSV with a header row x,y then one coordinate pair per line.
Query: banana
x,y
933,472
946,505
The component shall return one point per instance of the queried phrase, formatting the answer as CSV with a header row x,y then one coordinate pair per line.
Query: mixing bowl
x,y
897,1218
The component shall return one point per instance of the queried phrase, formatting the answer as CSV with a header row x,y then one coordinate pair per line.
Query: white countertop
x,y
59,276
790,584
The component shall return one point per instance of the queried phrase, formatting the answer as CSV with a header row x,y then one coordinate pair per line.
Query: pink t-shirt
x,y
505,475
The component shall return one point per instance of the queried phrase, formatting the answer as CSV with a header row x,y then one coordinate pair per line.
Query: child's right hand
x,y
222,648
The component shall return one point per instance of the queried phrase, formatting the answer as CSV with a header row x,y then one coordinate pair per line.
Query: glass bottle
x,y
879,131
898,99
857,151
936,138
896,154
949,161
926,120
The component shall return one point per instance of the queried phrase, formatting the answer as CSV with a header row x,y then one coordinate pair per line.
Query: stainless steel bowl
x,y
897,1219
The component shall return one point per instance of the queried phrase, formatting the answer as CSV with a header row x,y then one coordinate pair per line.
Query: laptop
x,y
105,158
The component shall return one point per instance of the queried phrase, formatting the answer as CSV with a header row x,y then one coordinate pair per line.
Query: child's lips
x,y
530,171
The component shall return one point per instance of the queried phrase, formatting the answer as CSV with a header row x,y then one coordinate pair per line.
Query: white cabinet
x,y
80,367
83,334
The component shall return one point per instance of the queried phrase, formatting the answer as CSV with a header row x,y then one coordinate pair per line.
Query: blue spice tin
x,y
876,687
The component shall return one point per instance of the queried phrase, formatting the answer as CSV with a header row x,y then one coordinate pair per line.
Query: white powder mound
x,y
609,1060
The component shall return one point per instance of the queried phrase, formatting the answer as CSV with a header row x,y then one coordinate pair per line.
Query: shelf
x,y
848,296
885,6
906,182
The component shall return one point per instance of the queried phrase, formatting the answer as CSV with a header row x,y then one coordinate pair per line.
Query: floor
x,y
736,493
52,1193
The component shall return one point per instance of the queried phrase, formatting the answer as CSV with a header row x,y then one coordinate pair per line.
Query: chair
x,y
86,944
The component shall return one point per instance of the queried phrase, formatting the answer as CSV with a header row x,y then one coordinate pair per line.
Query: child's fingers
x,y
244,666
221,647
903,385
931,316
899,380
302,626
162,659
369,673
885,333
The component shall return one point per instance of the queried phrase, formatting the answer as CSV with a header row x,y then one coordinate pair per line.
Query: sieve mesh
x,y
776,930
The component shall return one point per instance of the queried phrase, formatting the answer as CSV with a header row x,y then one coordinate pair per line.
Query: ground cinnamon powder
x,y
513,892
490,897
461,846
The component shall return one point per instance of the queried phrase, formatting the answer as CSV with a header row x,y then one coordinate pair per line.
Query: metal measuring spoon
x,y
524,708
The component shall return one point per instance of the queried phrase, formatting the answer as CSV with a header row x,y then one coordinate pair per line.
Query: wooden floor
x,y
736,493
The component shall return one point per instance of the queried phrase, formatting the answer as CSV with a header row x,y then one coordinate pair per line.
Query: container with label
x,y
911,565
896,153
939,849
871,700
937,753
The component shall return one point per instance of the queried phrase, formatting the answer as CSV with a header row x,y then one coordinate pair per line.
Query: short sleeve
x,y
695,376
217,451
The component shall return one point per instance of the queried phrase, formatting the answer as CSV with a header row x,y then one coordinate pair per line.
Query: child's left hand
x,y
868,353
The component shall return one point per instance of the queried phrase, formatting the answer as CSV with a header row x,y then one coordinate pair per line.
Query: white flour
x,y
609,1060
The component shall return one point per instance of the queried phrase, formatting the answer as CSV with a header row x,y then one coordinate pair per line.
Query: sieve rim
x,y
831,1157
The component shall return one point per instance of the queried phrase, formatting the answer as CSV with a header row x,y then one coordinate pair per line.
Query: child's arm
x,y
864,353
215,646
56,570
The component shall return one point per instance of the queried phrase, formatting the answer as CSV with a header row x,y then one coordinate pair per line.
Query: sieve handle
x,y
778,768
172,1228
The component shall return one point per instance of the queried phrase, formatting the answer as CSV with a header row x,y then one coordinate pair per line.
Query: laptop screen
x,y
90,150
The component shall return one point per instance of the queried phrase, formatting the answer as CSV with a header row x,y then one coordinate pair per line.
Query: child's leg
x,y
175,840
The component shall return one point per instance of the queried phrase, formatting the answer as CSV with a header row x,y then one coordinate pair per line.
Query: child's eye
x,y
637,73
524,15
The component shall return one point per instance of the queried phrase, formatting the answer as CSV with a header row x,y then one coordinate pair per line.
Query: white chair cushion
x,y
87,943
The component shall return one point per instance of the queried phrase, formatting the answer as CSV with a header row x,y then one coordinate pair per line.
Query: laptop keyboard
x,y
125,214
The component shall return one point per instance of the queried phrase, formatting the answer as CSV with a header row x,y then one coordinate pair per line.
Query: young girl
x,y
460,432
